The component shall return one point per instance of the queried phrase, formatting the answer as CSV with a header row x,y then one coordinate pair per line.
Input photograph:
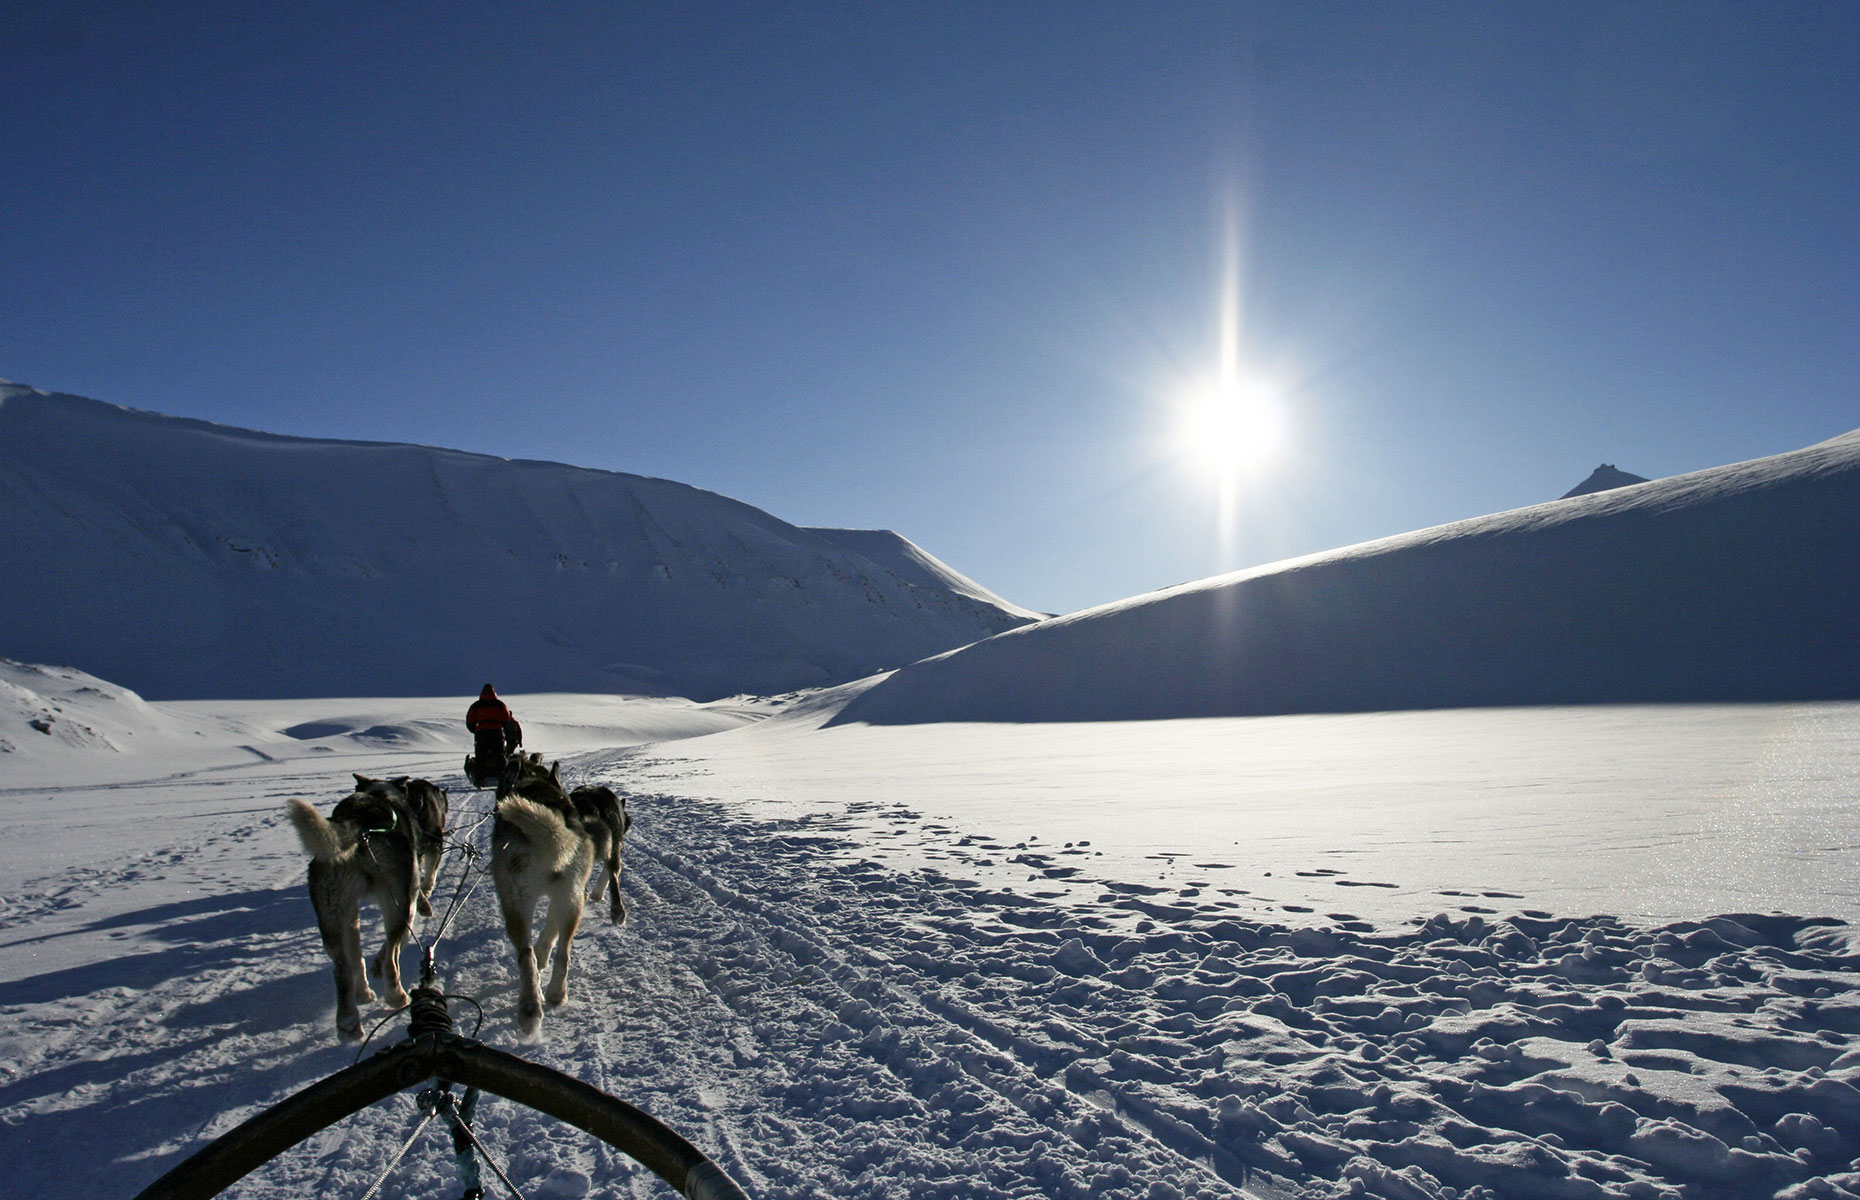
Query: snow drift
x,y
1735,583
59,712
187,559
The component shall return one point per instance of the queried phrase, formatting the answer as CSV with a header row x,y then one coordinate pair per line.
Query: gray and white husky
x,y
540,849
382,844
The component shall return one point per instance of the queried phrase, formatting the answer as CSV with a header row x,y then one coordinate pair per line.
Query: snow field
x,y
1653,813
811,998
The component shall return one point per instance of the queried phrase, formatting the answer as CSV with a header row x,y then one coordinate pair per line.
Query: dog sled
x,y
490,760
482,774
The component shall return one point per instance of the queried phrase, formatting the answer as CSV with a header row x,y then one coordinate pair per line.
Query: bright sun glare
x,y
1233,424
1232,428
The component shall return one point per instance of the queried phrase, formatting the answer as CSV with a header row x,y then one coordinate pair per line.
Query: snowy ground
x,y
852,970
1646,812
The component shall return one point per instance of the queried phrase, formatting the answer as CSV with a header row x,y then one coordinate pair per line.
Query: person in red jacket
x,y
495,732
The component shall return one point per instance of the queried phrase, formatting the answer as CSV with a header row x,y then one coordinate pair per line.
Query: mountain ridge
x,y
185,558
1731,583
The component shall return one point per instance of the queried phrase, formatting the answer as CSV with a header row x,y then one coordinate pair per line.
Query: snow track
x,y
854,996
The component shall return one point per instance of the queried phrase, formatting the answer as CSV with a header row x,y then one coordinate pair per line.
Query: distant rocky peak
x,y
1602,479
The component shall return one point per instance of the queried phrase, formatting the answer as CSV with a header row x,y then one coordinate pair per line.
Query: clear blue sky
x,y
945,268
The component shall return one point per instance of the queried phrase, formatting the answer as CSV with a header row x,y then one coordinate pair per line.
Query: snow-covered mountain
x,y
1734,583
1602,479
183,558
913,564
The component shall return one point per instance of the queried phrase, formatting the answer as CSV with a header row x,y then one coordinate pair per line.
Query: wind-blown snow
x,y
991,970
187,559
1736,583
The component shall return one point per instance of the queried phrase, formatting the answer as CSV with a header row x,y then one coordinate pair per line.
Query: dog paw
x,y
618,913
366,995
426,907
398,999
529,1021
349,1030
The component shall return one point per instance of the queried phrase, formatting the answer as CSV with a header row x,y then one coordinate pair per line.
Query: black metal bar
x,y
614,1121
246,1147
443,1055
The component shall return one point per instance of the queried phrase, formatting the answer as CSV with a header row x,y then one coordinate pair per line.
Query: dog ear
x,y
362,781
554,768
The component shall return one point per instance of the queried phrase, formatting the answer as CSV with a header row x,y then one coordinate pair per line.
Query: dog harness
x,y
392,821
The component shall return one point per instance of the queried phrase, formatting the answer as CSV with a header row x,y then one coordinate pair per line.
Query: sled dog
x,y
430,804
382,844
540,849
604,816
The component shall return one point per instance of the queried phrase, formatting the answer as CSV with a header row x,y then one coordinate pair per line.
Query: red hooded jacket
x,y
488,712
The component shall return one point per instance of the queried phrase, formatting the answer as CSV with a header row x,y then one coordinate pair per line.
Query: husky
x,y
540,848
604,816
382,844
431,805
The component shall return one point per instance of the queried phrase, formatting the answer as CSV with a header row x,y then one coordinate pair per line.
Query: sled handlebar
x,y
453,1059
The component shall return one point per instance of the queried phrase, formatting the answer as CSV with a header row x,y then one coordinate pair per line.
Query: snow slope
x,y
186,559
893,991
912,563
56,715
1735,583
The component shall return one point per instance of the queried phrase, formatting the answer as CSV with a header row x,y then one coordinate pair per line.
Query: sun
x,y
1232,427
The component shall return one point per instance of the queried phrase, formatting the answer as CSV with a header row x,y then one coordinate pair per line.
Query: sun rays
x,y
1231,426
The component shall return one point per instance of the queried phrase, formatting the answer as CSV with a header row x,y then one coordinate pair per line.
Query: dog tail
x,y
542,827
321,839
